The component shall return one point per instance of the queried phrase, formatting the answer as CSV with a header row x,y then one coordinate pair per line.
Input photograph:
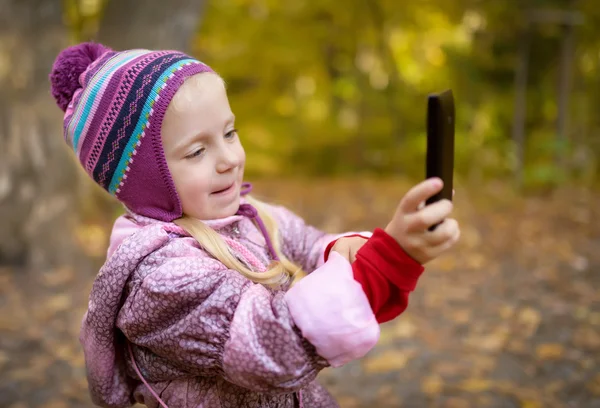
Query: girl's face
x,y
202,148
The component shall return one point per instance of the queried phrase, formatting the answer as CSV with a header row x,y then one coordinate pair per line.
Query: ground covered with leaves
x,y
509,318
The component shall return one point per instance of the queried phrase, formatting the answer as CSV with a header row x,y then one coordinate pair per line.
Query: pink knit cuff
x,y
333,313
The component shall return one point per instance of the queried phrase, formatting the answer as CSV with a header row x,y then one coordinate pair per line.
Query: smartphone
x,y
440,142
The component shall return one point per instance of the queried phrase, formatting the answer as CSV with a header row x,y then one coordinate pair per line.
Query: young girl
x,y
198,303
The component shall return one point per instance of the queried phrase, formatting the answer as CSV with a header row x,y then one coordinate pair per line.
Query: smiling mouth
x,y
224,190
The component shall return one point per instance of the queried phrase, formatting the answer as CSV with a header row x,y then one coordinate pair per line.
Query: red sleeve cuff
x,y
392,261
387,275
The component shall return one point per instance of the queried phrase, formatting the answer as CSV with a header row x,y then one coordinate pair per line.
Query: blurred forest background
x,y
330,101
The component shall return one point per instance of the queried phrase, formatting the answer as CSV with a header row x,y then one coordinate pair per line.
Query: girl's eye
x,y
231,134
196,153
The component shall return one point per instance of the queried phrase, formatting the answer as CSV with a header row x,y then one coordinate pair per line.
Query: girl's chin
x,y
219,210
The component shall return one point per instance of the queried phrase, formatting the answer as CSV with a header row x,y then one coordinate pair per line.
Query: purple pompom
x,y
67,68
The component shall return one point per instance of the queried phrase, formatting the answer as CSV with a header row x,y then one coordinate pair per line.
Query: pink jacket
x,y
205,336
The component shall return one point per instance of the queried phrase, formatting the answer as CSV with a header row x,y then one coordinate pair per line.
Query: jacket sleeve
x,y
386,273
208,320
302,243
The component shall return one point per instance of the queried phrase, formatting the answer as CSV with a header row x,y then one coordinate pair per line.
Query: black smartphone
x,y
440,142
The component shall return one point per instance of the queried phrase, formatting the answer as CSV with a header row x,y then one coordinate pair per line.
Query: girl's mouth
x,y
225,190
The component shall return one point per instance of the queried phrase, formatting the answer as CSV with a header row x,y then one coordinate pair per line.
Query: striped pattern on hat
x,y
114,120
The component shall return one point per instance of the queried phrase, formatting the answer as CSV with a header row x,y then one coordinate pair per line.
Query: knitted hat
x,y
114,105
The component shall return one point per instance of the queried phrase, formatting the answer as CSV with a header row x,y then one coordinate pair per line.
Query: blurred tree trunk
x,y
358,148
157,24
564,88
38,179
520,108
392,90
567,19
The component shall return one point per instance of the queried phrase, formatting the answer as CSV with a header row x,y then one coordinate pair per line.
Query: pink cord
x,y
249,256
137,371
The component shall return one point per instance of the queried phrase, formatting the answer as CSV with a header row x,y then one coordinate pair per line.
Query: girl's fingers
x,y
430,215
419,193
445,245
444,232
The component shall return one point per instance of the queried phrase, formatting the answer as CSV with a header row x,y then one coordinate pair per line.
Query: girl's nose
x,y
229,158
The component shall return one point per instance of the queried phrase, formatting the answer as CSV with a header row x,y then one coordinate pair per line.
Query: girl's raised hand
x,y
410,223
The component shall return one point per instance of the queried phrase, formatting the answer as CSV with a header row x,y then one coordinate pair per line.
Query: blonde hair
x,y
279,273
184,94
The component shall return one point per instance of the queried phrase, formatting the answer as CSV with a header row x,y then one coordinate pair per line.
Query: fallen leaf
x,y
3,359
8,323
446,263
482,363
507,312
456,402
528,321
461,316
385,391
92,239
551,351
554,387
580,263
530,404
490,342
387,336
404,328
470,237
54,305
587,338
475,261
65,352
594,318
475,385
432,385
55,404
587,363
388,360
349,402
594,385
581,312
58,277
